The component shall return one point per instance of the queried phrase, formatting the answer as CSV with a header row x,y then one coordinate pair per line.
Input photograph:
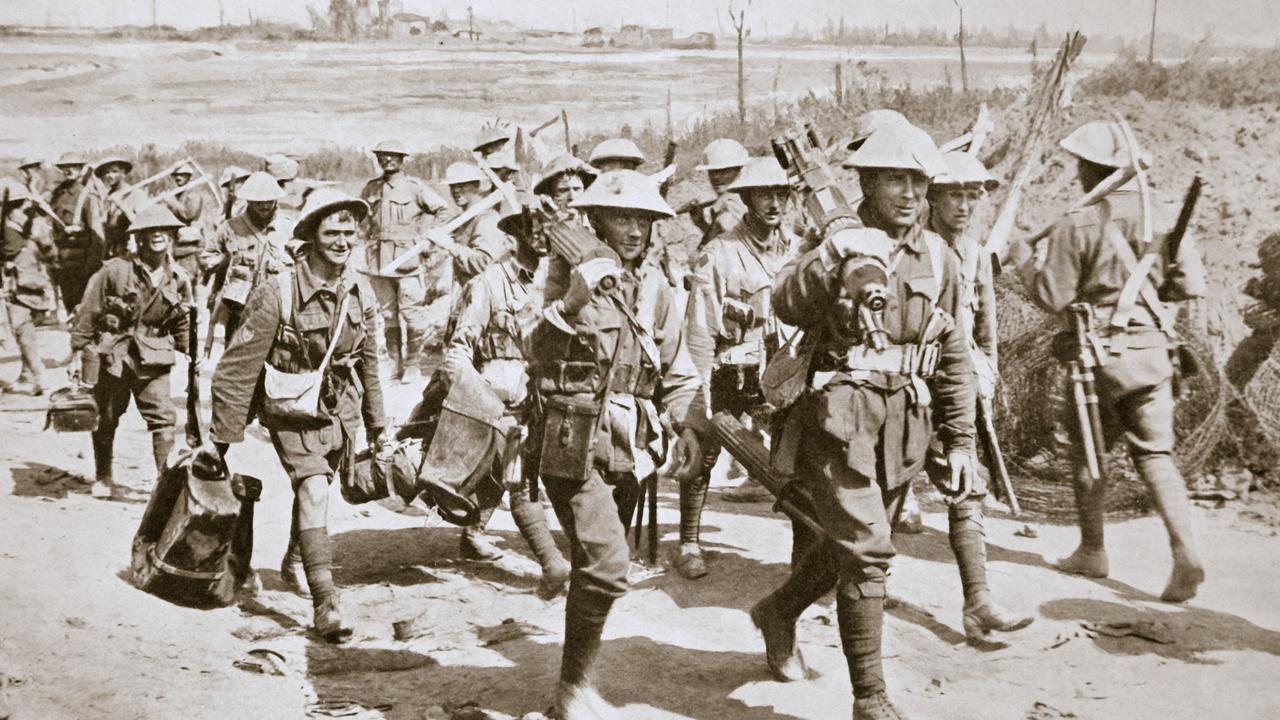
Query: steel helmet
x,y
390,147
723,154
110,160
902,146
321,203
260,187
462,172
155,217
761,172
872,120
1102,143
559,165
281,167
616,149
965,169
625,190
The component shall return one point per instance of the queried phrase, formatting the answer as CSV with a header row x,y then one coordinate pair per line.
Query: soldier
x,y
493,138
79,250
27,291
498,308
400,206
954,197
615,154
722,161
230,180
1097,255
563,180
189,207
112,215
32,171
479,242
245,249
285,171
314,317
134,315
503,164
601,361
737,271
862,430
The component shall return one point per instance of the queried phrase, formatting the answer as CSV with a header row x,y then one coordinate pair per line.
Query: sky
x,y
1255,22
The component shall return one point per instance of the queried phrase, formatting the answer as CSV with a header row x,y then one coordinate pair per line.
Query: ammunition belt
x,y
913,359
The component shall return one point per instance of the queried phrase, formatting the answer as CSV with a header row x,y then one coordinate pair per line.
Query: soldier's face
x,y
71,172
335,236
953,205
722,178
464,193
156,242
390,162
896,196
766,204
261,211
626,231
505,174
113,175
567,189
181,179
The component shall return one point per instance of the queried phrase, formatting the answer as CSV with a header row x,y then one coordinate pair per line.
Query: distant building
x,y
630,36
593,37
662,37
696,41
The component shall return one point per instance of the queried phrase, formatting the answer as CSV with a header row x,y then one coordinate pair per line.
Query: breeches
x,y
151,395
597,539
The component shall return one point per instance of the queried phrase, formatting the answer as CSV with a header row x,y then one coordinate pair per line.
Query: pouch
x,y
292,395
153,349
569,434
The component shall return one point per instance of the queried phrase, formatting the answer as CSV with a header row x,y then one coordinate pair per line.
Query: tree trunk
x,y
1151,47
742,77
964,67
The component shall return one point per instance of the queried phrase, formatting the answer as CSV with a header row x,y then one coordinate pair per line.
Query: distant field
x,y
60,94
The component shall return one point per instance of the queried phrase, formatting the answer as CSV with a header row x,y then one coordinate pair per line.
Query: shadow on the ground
x,y
694,683
33,479
1194,631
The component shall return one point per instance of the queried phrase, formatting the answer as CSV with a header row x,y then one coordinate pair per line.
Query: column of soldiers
x,y
597,365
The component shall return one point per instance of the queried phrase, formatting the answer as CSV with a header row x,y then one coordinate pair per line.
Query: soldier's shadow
x,y
524,679
33,479
1193,632
404,557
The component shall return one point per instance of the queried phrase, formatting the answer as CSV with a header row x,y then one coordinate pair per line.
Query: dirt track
x,y
79,642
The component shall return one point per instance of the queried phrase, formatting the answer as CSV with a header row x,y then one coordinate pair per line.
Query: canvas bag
x,y
297,395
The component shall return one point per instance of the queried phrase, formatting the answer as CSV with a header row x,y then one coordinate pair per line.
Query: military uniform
x,y
861,431
189,206
719,218
27,291
736,270
400,206
134,320
1089,257
79,248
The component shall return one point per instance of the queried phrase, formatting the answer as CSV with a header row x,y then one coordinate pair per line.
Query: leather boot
x,y
968,542
103,455
531,519
328,622
585,613
473,544
688,558
781,651
161,445
876,707
317,562
1170,495
1090,559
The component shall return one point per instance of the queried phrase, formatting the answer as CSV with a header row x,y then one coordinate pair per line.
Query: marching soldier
x,y
498,308
79,249
601,362
493,137
317,316
1097,255
479,242
27,291
112,215
189,207
954,198
32,171
245,249
230,180
722,161
503,164
563,180
285,171
879,303
133,318
737,270
615,154
400,206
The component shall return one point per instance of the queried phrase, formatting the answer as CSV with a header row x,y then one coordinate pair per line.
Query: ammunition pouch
x,y
153,350
918,360
569,433
573,377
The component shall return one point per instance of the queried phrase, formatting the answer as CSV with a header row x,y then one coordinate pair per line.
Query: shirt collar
x,y
913,240
310,284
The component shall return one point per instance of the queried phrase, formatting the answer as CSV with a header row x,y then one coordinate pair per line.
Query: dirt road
x,y
77,641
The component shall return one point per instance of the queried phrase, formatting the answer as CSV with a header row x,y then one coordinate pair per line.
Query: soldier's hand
x,y
964,468
585,279
688,452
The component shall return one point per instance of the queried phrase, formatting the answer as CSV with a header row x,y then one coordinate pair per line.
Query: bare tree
x,y
739,25
1151,47
964,67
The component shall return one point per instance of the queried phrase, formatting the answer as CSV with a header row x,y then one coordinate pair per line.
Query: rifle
x,y
1085,391
748,447
668,160
195,435
991,442
1179,231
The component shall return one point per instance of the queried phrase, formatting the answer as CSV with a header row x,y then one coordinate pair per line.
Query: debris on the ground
x,y
1026,531
510,629
75,622
1156,632
1043,711
1065,637
264,661
347,709
7,680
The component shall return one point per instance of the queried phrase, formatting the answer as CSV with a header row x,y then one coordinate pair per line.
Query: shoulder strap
x,y
1138,286
284,284
336,332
